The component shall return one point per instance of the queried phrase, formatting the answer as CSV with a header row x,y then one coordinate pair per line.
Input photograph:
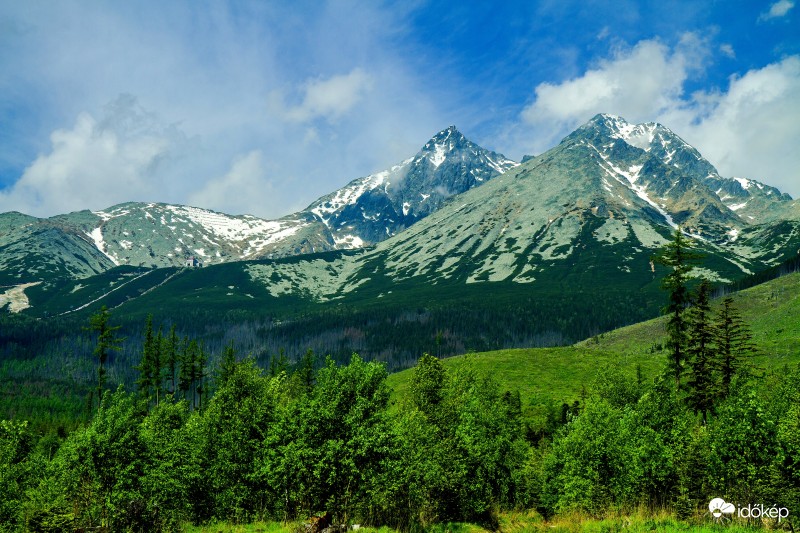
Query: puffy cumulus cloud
x,y
329,98
635,82
752,128
123,156
777,10
245,189
748,128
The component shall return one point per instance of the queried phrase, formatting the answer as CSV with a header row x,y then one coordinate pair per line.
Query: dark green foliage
x,y
171,360
297,440
107,341
233,431
733,345
700,353
678,257
226,366
463,444
150,367
16,445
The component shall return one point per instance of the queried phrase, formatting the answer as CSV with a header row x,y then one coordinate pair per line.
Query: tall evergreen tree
x,y
733,342
146,367
158,364
186,362
304,374
700,353
107,341
278,364
170,356
226,366
677,255
199,374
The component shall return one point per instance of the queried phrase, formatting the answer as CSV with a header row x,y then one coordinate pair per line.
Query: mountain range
x,y
153,235
456,226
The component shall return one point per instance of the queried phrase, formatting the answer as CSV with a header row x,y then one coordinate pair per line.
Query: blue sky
x,y
261,107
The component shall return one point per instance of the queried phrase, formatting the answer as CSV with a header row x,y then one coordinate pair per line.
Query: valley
x,y
444,341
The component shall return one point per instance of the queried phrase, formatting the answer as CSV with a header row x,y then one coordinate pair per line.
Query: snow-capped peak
x,y
638,135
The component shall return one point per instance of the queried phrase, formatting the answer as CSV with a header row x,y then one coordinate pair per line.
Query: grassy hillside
x,y
562,374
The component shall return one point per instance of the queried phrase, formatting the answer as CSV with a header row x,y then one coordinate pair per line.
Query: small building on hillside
x,y
193,262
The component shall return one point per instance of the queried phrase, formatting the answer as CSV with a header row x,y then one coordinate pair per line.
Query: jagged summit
x,y
371,209
611,182
688,184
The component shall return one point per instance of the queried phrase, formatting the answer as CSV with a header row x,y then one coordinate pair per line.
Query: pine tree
x,y
170,356
226,366
186,364
107,341
700,353
679,258
733,342
199,374
157,364
146,366
305,372
278,364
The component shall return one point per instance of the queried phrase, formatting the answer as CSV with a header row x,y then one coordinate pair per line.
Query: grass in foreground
x,y
530,521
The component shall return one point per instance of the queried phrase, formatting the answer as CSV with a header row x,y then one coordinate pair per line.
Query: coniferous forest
x,y
195,442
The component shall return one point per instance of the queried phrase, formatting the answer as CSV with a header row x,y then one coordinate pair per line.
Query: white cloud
x,y
97,163
777,10
750,128
637,83
330,98
243,190
345,102
727,50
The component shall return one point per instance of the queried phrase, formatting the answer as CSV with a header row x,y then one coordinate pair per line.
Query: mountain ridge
x,y
589,212
159,235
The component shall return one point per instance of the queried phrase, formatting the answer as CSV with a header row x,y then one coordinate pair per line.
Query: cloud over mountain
x,y
747,128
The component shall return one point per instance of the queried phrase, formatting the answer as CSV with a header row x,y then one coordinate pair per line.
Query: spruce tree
x,y
700,353
107,341
157,364
186,366
677,255
227,366
199,374
733,342
171,356
146,366
305,372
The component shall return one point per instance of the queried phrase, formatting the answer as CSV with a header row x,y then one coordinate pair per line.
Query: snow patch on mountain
x,y
229,227
276,234
97,237
439,155
631,176
348,242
